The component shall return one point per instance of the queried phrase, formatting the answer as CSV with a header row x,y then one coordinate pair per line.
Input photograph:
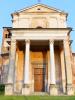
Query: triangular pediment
x,y
39,8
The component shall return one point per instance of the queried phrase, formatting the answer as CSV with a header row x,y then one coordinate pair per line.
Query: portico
x,y
43,52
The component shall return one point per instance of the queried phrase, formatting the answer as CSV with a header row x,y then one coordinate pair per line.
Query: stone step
x,y
17,93
40,93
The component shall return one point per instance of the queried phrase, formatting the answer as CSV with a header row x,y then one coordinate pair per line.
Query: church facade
x,y
36,53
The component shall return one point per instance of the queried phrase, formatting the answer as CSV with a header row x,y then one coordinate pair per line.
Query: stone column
x,y
53,89
10,81
63,70
26,88
70,90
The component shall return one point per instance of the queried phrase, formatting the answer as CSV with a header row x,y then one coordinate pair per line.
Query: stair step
x,y
40,93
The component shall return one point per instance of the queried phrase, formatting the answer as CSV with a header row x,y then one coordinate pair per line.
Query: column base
x,y
26,89
53,89
8,89
70,89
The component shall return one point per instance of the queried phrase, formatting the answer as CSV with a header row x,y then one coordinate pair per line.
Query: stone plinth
x,y
26,89
70,89
8,89
53,89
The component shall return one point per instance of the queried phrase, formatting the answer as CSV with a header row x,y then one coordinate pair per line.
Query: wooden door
x,y
38,79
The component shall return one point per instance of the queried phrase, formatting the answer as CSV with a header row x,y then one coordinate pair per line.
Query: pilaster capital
x,y
66,41
51,41
13,40
13,43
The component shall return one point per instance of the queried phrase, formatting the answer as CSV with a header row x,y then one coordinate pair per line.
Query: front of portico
x,y
39,62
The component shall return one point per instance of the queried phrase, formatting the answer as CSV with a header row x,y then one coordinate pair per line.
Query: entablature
x,y
40,34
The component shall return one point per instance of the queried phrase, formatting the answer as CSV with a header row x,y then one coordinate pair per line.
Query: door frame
x,y
42,65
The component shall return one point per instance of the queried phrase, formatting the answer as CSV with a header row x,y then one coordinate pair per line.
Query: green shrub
x,y
2,88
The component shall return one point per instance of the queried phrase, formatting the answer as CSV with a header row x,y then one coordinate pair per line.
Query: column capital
x,y
27,41
51,41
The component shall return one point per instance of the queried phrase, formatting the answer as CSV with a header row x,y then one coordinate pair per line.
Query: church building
x,y
36,53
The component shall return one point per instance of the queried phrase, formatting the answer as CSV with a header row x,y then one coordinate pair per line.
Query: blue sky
x,y
9,6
